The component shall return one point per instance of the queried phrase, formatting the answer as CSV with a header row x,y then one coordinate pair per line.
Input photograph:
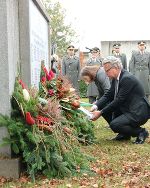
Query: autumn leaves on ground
x,y
117,164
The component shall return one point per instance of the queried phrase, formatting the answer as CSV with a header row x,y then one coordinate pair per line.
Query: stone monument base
x,y
10,168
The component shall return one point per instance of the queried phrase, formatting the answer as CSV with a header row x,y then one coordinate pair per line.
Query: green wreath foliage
x,y
52,152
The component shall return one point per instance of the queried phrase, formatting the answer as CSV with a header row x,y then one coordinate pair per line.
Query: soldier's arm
x,y
149,65
132,64
125,62
63,67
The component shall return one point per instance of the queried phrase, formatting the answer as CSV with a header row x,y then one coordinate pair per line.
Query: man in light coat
x,y
71,67
118,54
140,66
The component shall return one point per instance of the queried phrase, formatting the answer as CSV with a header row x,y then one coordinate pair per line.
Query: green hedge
x,y
82,89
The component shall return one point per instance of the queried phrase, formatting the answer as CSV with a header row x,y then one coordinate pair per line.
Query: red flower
x,y
45,70
43,79
29,119
51,74
48,77
51,92
44,119
22,84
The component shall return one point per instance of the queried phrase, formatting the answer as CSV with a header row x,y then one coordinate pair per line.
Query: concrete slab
x,y
10,168
5,151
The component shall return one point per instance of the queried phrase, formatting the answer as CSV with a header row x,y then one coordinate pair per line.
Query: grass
x,y
117,165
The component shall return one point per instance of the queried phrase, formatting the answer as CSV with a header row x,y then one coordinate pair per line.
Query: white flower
x,y
26,95
72,89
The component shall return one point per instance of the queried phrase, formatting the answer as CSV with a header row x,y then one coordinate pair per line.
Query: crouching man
x,y
124,106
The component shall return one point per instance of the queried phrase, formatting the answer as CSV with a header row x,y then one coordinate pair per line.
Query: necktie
x,y
115,94
116,88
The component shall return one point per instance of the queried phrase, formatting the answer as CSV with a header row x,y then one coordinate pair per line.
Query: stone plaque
x,y
39,47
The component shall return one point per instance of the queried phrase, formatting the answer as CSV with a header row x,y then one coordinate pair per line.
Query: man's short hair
x,y
113,61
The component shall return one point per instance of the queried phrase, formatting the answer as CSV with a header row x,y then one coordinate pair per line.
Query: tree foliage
x,y
62,34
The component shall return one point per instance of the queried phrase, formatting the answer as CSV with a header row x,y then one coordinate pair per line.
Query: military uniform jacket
x,y
140,66
92,89
71,69
123,59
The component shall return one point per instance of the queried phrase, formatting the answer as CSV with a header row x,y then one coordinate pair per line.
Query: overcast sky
x,y
96,20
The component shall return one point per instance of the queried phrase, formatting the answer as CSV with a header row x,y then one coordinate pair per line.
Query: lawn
x,y
117,165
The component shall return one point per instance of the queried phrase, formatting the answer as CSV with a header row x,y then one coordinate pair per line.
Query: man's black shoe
x,y
121,137
142,137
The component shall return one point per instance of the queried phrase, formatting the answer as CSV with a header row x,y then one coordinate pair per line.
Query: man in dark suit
x,y
118,54
124,106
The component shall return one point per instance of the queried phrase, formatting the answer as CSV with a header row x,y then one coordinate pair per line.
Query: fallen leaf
x,y
68,185
95,185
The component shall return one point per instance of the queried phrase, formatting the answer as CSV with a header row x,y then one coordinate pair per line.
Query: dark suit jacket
x,y
130,99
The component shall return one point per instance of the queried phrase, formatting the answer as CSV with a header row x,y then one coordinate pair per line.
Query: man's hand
x,y
93,108
96,115
94,102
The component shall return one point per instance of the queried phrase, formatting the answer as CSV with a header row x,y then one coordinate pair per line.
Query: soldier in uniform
x,y
71,67
121,56
140,66
92,90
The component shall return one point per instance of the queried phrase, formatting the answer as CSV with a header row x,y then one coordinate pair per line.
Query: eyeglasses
x,y
109,69
71,49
